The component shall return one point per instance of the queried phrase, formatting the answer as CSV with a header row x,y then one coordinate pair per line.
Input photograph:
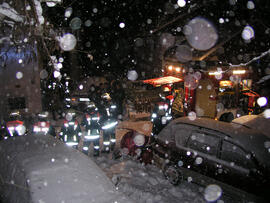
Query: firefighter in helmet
x,y
92,129
71,131
109,122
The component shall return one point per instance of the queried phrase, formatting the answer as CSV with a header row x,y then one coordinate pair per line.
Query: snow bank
x,y
43,169
146,183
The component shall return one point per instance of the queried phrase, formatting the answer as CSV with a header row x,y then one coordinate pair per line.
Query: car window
x,y
235,154
203,142
181,133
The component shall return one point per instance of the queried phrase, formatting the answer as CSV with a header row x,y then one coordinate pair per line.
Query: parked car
x,y
40,168
258,122
213,152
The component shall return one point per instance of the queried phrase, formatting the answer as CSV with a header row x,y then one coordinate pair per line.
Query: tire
x,y
173,175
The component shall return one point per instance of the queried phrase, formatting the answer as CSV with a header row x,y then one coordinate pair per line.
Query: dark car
x,y
213,152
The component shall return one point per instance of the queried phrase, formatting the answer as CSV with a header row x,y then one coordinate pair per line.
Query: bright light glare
x,y
214,73
170,67
266,113
239,72
59,65
248,33
56,74
122,25
181,3
262,101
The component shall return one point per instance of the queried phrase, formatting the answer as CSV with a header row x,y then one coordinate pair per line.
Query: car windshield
x,y
103,71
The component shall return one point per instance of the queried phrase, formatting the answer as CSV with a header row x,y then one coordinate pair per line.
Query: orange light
x,y
178,69
73,99
225,83
170,67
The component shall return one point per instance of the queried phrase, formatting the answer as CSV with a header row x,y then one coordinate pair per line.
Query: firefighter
x,y
109,122
161,115
92,128
71,131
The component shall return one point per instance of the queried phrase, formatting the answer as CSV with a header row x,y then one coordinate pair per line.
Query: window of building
x,y
16,103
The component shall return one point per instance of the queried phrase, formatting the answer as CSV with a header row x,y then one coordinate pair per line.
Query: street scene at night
x,y
149,101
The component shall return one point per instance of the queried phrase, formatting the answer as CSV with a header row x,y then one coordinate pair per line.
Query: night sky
x,y
115,49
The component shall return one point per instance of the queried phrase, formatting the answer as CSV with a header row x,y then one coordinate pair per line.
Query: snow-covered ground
x,y
147,184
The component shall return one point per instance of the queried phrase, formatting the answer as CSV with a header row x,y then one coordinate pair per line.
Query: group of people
x,y
100,118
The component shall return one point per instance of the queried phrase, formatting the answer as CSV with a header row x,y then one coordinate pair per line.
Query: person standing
x,y
177,105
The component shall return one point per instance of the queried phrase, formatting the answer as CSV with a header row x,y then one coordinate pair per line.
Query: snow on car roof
x,y
43,169
258,122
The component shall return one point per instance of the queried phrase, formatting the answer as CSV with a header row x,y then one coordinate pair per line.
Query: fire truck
x,y
215,94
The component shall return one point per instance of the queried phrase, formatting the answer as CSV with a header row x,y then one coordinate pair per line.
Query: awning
x,y
250,93
163,80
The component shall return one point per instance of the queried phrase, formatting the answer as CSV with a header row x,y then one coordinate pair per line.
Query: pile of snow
x,y
43,169
146,183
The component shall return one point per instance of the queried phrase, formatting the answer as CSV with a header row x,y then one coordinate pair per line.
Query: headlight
x,y
45,129
36,129
20,129
11,128
154,115
72,143
110,125
139,140
85,148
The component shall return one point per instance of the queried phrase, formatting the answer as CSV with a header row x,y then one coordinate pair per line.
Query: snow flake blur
x,y
262,101
122,25
212,193
68,42
183,53
68,12
181,3
248,33
250,5
201,34
75,23
132,75
19,75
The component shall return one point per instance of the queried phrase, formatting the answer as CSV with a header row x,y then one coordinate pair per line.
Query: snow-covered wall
x,y
43,169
